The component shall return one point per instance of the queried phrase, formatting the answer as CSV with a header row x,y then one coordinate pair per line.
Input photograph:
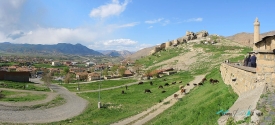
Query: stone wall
x,y
266,68
241,80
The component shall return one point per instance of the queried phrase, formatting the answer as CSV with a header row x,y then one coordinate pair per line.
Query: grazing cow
x,y
173,83
211,80
183,91
163,91
180,81
147,91
194,84
122,92
139,83
164,79
160,87
166,84
181,86
151,83
188,84
200,84
176,96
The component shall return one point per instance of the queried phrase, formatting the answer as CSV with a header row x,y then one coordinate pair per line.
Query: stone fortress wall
x,y
188,37
241,80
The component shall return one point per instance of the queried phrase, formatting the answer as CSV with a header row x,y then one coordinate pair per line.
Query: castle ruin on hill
x,y
188,37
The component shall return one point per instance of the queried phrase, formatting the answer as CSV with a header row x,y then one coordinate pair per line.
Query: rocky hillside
x,y
141,53
247,39
60,48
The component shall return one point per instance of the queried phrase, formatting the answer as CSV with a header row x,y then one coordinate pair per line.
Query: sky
x,y
127,24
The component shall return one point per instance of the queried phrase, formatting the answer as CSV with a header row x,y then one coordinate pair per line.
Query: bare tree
x,y
67,78
47,78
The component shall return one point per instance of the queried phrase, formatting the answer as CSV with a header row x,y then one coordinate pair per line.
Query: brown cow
x,y
160,87
147,91
183,91
173,82
176,96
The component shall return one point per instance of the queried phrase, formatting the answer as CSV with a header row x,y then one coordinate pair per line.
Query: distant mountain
x,y
141,53
115,53
247,39
60,48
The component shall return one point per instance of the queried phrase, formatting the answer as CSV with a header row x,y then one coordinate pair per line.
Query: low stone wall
x,y
241,78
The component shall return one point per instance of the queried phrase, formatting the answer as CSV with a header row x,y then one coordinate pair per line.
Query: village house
x,y
55,63
93,76
82,76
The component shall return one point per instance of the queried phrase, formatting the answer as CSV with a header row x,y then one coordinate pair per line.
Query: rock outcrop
x,y
188,36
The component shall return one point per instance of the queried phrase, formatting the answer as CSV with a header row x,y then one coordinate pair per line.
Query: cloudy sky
x,y
127,24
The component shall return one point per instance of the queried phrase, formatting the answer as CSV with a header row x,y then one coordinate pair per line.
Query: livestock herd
x,y
181,87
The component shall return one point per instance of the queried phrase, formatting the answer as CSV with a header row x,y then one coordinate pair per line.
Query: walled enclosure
x,y
241,80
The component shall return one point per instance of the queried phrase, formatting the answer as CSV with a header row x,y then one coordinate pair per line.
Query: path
x,y
157,109
246,101
74,106
115,87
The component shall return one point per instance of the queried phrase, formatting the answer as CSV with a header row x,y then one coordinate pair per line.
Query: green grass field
x,y
95,85
22,85
118,106
12,96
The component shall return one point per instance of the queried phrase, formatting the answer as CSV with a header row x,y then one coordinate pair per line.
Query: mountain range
x,y
60,48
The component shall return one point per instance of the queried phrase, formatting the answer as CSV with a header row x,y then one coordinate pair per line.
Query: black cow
x,y
160,87
166,84
139,83
147,91
151,83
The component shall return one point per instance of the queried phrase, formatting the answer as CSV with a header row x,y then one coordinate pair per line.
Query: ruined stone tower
x,y
256,33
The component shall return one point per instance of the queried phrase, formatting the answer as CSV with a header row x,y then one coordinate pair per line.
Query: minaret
x,y
256,33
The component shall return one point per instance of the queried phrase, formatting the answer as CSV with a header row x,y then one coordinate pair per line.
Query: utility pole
x,y
99,103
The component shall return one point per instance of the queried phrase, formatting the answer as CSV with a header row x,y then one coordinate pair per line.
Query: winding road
x,y
74,106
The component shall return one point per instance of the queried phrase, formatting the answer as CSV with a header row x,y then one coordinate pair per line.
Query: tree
x,y
105,72
121,71
66,70
67,78
114,68
47,78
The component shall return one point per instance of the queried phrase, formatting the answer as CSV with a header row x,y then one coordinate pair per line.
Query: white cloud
x,y
10,11
113,8
194,20
127,25
164,23
154,21
150,27
54,36
118,44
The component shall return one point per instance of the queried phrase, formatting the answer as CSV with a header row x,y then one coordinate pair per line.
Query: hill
x,y
247,39
56,49
115,53
141,53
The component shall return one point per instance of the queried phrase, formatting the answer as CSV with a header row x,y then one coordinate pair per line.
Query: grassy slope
x,y
200,106
95,85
